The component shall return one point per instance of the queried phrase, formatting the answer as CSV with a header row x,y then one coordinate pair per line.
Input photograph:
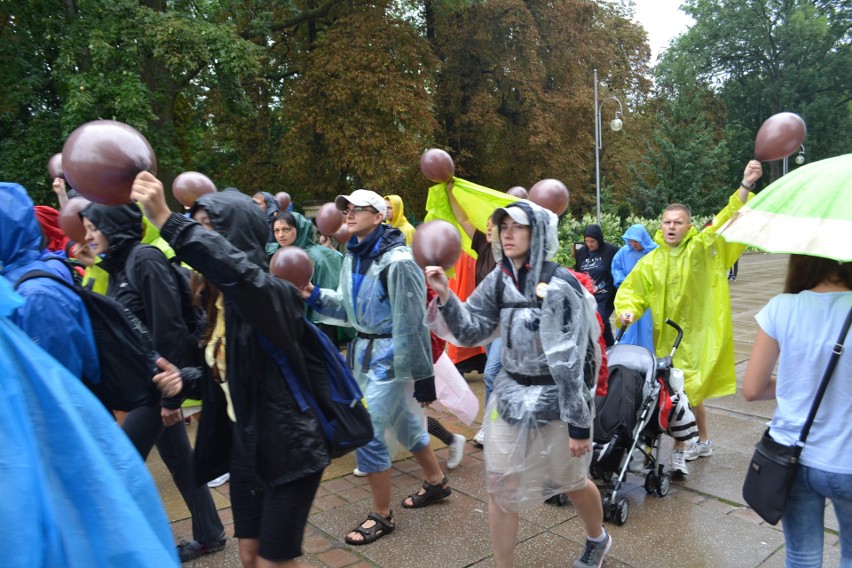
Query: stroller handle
x,y
679,335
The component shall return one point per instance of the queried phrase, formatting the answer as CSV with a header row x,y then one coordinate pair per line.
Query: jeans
x,y
606,311
493,364
804,516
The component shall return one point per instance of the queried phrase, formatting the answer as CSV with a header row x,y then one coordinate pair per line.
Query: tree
x,y
767,56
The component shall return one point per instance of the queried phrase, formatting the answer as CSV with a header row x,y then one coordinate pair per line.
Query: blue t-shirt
x,y
806,326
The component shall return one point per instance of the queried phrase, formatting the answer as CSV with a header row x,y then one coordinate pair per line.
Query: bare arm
x,y
459,213
758,383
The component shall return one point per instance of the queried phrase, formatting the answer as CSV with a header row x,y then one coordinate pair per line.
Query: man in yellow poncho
x,y
685,280
395,217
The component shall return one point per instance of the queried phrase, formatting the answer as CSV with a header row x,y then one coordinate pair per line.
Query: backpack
x,y
125,351
192,314
548,271
334,396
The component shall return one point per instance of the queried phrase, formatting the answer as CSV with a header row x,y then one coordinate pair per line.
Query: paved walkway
x,y
702,522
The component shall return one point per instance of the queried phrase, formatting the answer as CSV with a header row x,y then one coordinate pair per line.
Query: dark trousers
x,y
144,427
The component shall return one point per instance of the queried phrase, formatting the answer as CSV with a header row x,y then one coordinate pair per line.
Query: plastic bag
x,y
453,392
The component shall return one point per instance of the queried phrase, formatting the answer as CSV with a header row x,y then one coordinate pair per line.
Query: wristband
x,y
747,186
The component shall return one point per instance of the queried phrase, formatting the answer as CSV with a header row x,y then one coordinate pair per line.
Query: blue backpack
x,y
334,395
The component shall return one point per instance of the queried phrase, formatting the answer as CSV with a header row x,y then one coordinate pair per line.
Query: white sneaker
x,y
456,451
221,480
479,439
358,473
679,462
698,450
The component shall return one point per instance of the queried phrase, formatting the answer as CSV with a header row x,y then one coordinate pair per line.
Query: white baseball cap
x,y
516,213
362,198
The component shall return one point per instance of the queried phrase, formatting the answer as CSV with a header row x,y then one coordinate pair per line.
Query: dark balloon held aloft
x,y
293,265
101,159
779,136
437,165
436,243
550,194
329,219
70,221
189,186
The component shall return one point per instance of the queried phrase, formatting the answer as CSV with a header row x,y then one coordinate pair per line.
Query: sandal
x,y
431,494
382,526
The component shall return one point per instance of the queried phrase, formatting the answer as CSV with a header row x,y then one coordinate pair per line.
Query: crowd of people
x,y
545,329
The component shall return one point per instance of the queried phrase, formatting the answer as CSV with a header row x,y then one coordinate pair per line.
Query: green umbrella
x,y
808,211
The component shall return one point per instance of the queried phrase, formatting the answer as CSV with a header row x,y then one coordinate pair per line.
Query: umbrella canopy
x,y
808,211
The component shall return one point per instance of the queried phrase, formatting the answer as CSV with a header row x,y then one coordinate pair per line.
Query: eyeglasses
x,y
359,209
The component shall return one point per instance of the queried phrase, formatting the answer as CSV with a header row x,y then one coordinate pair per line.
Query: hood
x,y
122,227
595,232
544,242
272,206
20,232
237,217
398,210
639,234
48,218
305,231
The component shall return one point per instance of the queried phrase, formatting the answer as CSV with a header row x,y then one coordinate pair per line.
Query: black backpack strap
x,y
548,269
42,274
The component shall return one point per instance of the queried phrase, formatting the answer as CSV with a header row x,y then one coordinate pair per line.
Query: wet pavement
x,y
702,522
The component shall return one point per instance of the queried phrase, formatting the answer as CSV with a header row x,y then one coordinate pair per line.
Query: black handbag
x,y
772,466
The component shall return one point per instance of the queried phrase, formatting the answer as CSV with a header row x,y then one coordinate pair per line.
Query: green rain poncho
x,y
688,284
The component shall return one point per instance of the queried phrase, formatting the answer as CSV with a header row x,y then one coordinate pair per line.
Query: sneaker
x,y
358,473
456,451
479,439
593,554
698,450
192,549
679,462
219,481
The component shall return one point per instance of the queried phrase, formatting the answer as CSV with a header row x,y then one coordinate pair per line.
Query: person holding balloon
x,y
685,280
382,294
538,441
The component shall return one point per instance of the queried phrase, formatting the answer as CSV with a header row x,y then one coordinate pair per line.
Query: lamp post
x,y
616,124
799,159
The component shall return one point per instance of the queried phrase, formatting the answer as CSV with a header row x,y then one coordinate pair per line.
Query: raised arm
x,y
459,213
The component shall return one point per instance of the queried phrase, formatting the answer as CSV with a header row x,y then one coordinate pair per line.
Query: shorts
x,y
276,516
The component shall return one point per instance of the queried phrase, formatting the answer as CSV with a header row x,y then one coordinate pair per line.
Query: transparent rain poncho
x,y
399,352
527,428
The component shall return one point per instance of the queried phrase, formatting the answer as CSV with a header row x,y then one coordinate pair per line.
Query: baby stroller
x,y
628,421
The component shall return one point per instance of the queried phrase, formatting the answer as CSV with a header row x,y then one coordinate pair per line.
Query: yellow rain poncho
x,y
398,221
688,284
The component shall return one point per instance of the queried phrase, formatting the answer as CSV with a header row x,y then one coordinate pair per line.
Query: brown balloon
x,y
437,165
436,243
54,166
293,265
329,219
342,235
101,158
189,186
779,136
550,194
70,221
518,192
283,199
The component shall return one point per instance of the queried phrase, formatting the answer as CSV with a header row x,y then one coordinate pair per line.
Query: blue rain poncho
x,y
75,491
641,332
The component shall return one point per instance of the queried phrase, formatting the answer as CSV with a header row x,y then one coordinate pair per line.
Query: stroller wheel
x,y
650,483
621,511
595,471
607,476
663,485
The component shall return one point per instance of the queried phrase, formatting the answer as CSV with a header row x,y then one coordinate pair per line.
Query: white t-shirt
x,y
806,327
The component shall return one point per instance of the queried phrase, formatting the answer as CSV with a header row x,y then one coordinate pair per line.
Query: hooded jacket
x,y
642,331
147,286
398,221
283,442
53,315
689,285
271,213
551,339
604,286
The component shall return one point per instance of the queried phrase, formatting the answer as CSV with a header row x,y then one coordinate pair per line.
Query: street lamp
x,y
616,125
799,159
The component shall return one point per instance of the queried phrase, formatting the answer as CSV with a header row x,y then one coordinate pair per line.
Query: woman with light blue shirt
x,y
798,330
